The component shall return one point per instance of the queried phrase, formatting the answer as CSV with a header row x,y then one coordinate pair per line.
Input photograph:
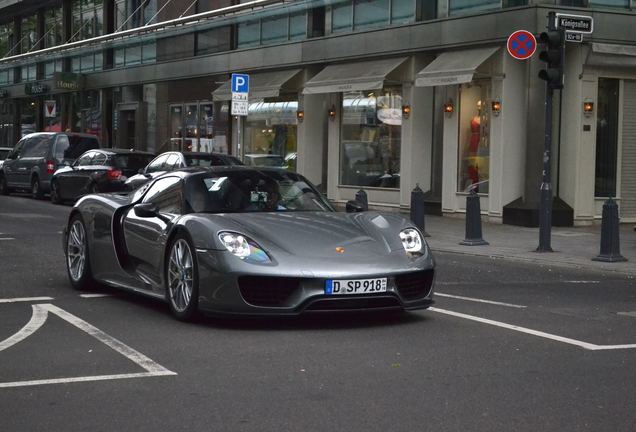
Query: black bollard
x,y
473,221
417,209
610,242
361,197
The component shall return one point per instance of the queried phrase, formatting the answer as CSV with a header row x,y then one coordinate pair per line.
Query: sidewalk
x,y
572,246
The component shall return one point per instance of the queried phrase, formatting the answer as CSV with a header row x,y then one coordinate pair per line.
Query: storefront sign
x,y
68,81
35,88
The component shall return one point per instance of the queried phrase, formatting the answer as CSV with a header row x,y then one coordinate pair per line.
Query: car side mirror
x,y
354,207
146,210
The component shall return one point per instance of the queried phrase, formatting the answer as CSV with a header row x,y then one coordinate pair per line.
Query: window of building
x,y
276,29
622,4
270,134
364,14
54,36
371,136
474,141
6,48
199,126
606,138
458,7
87,22
28,42
131,14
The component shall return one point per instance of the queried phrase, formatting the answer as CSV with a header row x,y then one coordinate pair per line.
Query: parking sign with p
x,y
240,83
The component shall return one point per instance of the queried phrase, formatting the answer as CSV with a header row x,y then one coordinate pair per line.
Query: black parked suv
x,y
37,156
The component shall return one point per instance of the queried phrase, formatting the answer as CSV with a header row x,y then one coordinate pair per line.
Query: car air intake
x,y
352,304
267,291
412,286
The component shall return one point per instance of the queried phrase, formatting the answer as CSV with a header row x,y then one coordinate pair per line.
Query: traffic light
x,y
554,55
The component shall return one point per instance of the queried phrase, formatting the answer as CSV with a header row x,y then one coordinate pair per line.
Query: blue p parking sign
x,y
240,83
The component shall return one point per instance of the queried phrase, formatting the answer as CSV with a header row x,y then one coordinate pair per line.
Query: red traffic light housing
x,y
554,55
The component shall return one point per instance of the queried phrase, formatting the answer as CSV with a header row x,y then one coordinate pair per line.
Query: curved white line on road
x,y
480,300
25,299
37,319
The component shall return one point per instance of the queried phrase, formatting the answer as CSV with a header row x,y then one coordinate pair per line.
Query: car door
x,y
33,158
74,180
10,165
145,237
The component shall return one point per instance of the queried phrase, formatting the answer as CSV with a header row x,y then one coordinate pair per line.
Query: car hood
x,y
316,234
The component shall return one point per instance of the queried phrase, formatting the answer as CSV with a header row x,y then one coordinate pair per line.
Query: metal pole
x,y
239,149
545,211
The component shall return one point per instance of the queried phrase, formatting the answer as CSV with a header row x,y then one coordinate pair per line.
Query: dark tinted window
x,y
78,145
85,159
37,146
61,146
132,161
211,160
253,191
3,154
166,194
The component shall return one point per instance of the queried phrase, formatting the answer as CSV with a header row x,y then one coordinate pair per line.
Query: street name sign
x,y
573,37
575,23
240,89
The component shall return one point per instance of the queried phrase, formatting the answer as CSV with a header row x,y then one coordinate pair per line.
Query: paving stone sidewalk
x,y
573,246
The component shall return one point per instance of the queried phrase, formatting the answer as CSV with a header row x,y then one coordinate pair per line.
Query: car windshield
x,y
254,191
211,160
132,161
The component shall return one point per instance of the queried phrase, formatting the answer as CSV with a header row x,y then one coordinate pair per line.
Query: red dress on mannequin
x,y
474,135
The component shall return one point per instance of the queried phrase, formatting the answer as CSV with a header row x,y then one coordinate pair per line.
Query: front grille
x,y
335,304
267,291
412,286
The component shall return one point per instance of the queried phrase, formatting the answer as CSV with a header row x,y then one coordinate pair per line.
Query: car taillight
x,y
113,174
50,167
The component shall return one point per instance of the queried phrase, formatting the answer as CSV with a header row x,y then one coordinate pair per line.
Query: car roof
x,y
193,171
123,151
79,134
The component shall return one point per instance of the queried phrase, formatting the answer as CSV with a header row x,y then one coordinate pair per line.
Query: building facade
x,y
382,95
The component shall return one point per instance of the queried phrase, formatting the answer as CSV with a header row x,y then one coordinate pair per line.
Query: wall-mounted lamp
x,y
406,111
588,108
449,108
496,107
332,113
300,115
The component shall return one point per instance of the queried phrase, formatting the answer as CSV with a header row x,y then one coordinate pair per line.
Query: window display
x,y
474,148
371,138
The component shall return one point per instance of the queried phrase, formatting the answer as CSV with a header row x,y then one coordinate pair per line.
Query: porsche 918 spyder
x,y
241,240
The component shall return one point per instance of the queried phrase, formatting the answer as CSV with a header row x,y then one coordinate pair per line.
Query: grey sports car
x,y
242,240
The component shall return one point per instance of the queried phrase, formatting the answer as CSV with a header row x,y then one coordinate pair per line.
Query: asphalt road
x,y
554,350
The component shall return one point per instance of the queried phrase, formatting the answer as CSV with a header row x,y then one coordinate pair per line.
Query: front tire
x,y
36,188
78,264
182,278
56,198
4,187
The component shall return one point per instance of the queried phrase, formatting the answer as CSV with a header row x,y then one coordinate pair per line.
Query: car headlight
x,y
243,247
411,240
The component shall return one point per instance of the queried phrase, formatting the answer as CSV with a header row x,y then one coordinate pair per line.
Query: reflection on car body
x,y
243,240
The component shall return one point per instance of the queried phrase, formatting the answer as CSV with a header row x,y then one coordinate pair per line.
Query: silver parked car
x,y
34,159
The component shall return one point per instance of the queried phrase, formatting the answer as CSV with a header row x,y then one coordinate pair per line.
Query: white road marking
x,y
582,281
7,238
479,300
629,314
37,319
581,344
25,299
89,296
40,312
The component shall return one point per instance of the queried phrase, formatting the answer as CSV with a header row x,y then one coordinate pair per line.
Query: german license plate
x,y
354,286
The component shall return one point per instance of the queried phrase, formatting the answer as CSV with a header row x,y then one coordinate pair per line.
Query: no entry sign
x,y
522,44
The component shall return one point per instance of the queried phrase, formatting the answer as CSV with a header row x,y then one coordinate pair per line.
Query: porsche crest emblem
x,y
340,249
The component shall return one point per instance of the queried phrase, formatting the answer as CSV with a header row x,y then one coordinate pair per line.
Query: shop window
x,y
27,116
458,7
622,4
198,127
371,135
474,139
270,134
606,138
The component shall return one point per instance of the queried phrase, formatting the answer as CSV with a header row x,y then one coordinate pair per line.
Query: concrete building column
x,y
451,138
312,136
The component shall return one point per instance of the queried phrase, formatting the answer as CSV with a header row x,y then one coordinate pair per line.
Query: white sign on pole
x,y
49,108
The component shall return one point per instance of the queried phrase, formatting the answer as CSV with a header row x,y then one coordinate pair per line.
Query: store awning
x,y
358,76
262,85
453,67
611,55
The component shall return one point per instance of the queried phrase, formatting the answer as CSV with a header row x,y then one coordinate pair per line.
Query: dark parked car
x,y
34,159
247,241
171,161
96,171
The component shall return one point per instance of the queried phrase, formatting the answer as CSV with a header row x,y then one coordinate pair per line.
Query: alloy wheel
x,y
76,250
180,275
